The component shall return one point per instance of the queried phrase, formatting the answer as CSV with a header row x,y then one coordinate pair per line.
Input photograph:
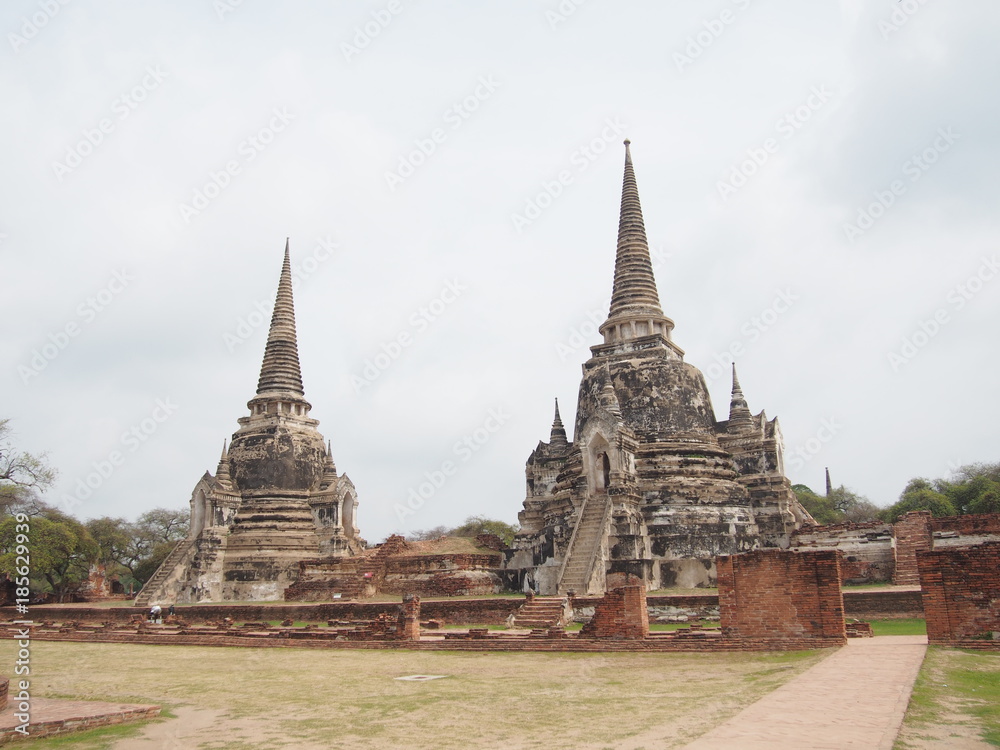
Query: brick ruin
x,y
961,592
652,485
621,615
773,596
886,552
769,600
399,567
276,498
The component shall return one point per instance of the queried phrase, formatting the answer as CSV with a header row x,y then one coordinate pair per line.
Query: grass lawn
x,y
899,627
236,698
955,701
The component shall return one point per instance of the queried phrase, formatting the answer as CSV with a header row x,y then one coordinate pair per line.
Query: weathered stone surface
x,y
652,486
276,498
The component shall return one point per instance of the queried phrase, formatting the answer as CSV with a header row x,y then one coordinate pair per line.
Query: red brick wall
x,y
961,591
912,534
620,615
4,687
780,596
988,523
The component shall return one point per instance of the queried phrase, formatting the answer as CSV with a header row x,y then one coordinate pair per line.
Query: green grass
x,y
899,627
956,697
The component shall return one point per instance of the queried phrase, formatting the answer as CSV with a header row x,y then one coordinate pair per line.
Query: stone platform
x,y
51,716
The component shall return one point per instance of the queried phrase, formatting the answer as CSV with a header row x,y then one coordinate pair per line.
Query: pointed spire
x,y
829,484
740,419
222,475
609,399
329,469
558,435
635,303
280,370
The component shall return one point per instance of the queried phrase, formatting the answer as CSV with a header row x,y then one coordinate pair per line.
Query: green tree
x,y
919,495
820,508
22,475
61,551
974,489
476,525
852,507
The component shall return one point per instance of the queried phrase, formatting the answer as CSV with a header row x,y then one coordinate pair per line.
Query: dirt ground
x,y
231,699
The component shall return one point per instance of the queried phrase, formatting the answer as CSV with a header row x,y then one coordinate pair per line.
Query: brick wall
x,y
961,592
453,612
912,534
988,523
620,615
4,688
780,596
867,548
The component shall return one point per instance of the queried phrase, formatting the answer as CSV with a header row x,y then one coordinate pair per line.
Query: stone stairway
x,y
540,612
586,542
152,588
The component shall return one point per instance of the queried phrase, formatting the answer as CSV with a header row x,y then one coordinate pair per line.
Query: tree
x,y
974,489
426,535
851,506
164,525
820,508
919,495
61,551
472,527
476,525
22,475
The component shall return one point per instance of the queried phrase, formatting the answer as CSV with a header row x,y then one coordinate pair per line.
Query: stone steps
x,y
540,613
589,533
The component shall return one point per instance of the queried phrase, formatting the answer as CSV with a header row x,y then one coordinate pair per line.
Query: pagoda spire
x,y
280,372
329,469
829,484
740,419
635,304
222,475
558,435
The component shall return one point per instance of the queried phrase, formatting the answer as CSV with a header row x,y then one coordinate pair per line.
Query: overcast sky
x,y
819,184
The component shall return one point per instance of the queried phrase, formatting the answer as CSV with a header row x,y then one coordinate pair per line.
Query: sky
x,y
818,182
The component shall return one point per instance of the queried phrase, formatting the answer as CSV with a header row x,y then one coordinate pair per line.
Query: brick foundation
x,y
776,596
620,615
961,592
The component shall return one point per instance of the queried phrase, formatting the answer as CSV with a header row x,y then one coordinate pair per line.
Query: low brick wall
x,y
961,591
4,690
883,604
452,611
776,595
865,605
45,728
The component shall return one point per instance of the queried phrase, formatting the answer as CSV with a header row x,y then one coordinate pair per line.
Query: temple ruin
x,y
652,487
276,497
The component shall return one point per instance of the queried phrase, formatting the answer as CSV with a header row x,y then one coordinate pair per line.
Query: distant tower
x,y
829,484
276,498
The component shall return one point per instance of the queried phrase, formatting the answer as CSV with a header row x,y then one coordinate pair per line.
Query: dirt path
x,y
854,699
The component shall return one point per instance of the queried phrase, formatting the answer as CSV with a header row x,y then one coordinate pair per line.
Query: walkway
x,y
855,698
